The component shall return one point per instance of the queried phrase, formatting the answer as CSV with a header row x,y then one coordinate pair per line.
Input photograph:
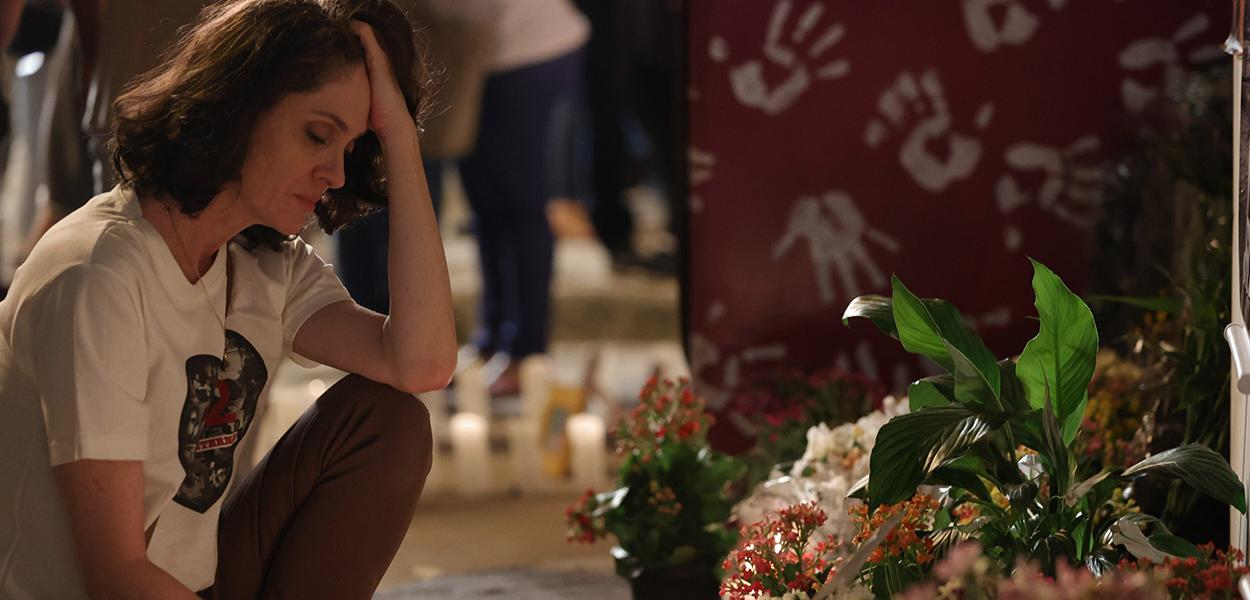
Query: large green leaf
x,y
960,478
1060,360
938,390
877,309
934,328
970,384
1201,468
915,326
1011,393
913,445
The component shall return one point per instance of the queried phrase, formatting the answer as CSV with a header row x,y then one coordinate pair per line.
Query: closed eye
x,y
316,139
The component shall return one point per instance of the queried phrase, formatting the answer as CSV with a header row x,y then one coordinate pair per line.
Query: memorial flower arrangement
x,y
999,438
967,574
1210,575
783,555
779,408
832,461
673,505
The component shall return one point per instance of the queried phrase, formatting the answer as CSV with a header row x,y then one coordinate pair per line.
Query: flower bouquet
x,y
833,460
670,513
782,556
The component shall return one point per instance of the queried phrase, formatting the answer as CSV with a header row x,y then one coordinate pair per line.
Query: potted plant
x,y
999,437
670,513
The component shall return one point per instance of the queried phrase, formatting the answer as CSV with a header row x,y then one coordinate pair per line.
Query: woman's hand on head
x,y
388,111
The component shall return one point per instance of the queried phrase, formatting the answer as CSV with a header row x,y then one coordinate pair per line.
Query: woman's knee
x,y
397,422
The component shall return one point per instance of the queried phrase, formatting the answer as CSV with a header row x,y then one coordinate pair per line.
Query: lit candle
x,y
535,386
470,453
471,394
526,457
587,443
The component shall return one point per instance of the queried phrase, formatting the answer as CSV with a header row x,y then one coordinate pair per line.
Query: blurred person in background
x,y
458,35
534,69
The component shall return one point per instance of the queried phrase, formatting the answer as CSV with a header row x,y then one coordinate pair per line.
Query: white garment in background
x,y
529,32
108,352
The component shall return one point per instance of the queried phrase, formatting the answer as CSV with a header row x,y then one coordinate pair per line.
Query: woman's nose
x,y
333,174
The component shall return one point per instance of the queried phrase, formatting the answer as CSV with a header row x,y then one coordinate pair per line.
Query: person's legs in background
x,y
362,250
505,184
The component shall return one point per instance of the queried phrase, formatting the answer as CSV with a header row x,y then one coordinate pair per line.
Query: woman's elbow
x,y
434,375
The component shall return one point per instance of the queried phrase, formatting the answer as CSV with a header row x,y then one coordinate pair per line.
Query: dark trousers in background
x,y
505,181
362,250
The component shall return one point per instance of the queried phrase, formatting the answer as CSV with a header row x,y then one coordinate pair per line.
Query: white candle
x,y
587,443
526,456
471,393
471,453
535,386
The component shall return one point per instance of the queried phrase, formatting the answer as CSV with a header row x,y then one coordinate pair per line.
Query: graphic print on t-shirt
x,y
220,404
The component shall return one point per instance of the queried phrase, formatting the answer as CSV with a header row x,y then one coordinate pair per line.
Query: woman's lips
x,y
309,201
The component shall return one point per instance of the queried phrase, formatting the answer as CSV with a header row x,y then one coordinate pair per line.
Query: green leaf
x,y
938,390
1011,392
1054,450
1060,360
935,329
961,340
913,445
966,480
1157,304
1021,496
877,309
1174,545
916,328
1201,468
971,386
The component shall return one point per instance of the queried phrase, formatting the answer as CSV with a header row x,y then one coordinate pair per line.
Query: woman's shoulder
x,y
108,233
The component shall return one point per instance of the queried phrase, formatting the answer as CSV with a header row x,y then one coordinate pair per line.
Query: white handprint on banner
x,y
1071,180
1159,52
837,237
1017,24
921,105
702,165
747,79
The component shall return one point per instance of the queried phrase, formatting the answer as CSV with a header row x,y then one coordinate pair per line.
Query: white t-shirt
x,y
108,352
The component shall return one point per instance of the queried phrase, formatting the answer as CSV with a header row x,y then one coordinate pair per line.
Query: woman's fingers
x,y
375,59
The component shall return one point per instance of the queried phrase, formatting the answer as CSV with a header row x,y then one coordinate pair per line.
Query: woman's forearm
x,y
420,333
142,580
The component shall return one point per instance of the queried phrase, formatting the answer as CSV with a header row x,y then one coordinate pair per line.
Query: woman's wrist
x,y
401,139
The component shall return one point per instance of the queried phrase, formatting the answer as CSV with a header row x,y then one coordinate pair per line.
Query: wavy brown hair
x,y
182,128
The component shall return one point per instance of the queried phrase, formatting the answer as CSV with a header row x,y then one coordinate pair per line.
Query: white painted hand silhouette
x,y
1017,26
837,237
747,79
1071,186
1165,53
922,107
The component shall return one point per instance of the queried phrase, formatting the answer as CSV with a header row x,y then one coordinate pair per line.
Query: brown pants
x,y
323,513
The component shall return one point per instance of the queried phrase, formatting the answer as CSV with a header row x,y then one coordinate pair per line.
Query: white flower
x,y
842,439
824,475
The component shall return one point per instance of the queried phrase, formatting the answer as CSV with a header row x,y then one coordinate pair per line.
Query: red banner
x,y
834,143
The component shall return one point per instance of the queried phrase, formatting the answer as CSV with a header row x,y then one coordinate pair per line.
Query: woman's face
x,y
296,150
